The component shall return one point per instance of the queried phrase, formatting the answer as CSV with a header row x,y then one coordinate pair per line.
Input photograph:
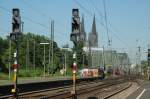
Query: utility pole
x,y
90,55
22,26
109,41
65,49
83,60
139,59
52,41
34,57
65,63
49,61
9,57
44,62
27,54
104,58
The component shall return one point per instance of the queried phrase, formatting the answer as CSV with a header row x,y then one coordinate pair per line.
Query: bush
x,y
30,72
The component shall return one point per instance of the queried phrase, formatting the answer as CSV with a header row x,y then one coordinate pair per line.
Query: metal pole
x,y
65,64
22,23
15,90
104,58
17,54
139,60
83,60
49,51
49,57
53,45
9,57
44,60
74,96
16,64
91,58
34,58
52,40
27,54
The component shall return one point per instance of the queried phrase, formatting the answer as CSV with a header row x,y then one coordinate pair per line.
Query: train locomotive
x,y
92,72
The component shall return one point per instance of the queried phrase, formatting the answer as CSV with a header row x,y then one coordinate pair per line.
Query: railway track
x,y
83,88
5,90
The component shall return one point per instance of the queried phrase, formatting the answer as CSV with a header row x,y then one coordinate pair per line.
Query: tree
x,y
3,55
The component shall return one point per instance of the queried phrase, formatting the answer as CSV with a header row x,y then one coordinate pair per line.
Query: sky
x,y
128,20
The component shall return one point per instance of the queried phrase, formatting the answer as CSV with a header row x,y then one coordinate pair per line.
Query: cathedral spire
x,y
82,25
94,26
82,30
93,36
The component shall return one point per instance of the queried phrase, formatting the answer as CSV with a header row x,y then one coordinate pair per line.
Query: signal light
x,y
75,25
74,68
13,90
16,21
14,66
75,21
148,56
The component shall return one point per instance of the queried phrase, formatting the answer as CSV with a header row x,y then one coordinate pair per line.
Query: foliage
x,y
3,53
27,43
29,46
79,53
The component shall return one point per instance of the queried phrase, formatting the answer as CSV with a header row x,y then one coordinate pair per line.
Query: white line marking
x,y
132,92
141,94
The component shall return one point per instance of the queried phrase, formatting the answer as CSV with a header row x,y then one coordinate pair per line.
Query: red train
x,y
92,72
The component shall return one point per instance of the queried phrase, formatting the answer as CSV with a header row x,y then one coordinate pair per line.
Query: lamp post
x,y
44,56
65,55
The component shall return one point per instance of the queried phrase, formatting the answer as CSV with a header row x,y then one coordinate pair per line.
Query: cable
x,y
42,14
98,11
32,21
106,22
81,6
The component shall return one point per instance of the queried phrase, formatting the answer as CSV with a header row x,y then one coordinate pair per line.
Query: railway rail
x,y
83,87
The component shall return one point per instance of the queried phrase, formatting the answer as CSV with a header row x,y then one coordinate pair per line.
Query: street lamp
x,y
65,55
44,56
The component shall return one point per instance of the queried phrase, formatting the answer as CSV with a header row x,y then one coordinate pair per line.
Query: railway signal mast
x,y
148,59
74,37
16,33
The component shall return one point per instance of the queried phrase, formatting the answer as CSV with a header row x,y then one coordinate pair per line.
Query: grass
x,y
30,72
4,76
33,76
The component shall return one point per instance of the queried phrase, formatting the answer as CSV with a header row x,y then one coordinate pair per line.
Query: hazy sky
x,y
128,20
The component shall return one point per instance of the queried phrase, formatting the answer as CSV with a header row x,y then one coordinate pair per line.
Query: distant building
x,y
82,32
93,36
101,57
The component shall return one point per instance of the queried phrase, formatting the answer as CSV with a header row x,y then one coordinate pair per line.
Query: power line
x,y
83,7
87,11
42,14
32,21
96,8
106,22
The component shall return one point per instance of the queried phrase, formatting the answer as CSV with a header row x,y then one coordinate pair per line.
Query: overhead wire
x,y
45,15
109,42
101,23
32,21
42,14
